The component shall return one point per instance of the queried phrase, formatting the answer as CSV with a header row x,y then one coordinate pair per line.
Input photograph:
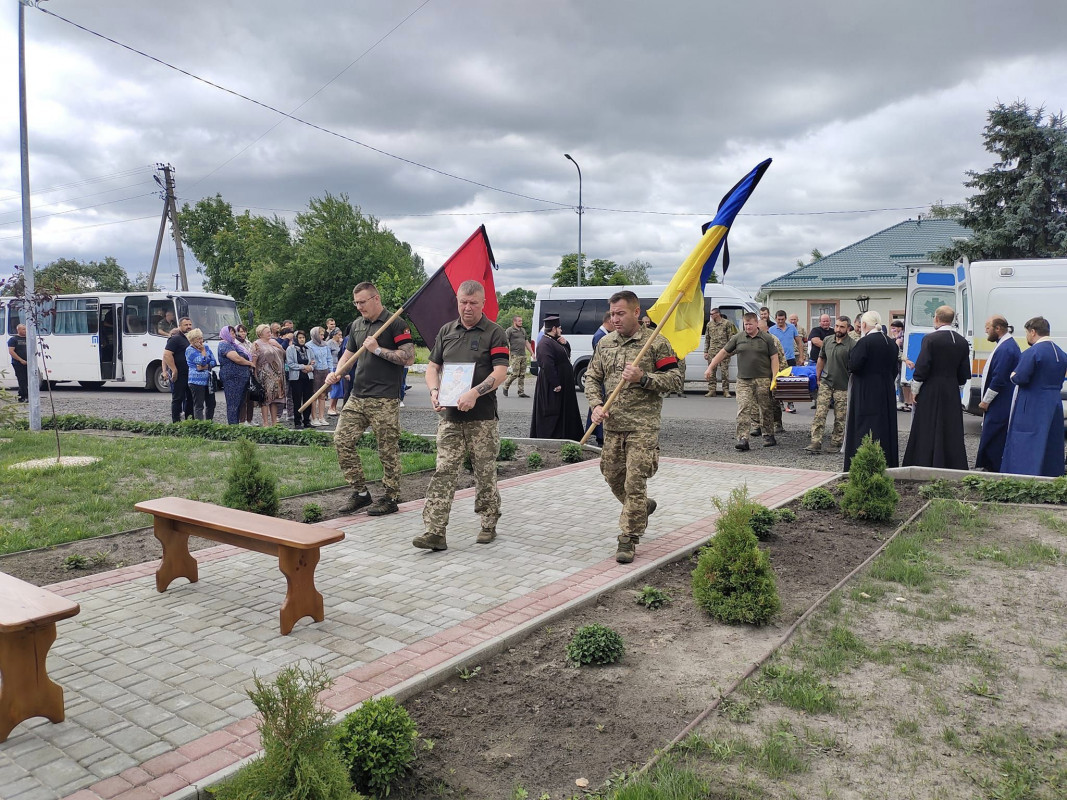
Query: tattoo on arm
x,y
486,386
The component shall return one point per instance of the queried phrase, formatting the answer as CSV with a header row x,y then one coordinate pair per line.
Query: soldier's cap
x,y
551,321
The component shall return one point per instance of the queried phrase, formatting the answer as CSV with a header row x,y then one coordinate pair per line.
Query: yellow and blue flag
x,y
682,328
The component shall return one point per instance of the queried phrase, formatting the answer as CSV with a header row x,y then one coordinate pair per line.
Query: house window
x,y
816,308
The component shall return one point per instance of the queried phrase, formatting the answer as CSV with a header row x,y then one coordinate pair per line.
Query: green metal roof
x,y
878,260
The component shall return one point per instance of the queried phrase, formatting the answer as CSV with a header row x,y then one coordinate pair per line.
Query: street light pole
x,y
29,309
568,157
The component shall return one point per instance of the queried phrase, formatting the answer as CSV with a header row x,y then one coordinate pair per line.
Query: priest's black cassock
x,y
872,402
936,438
555,414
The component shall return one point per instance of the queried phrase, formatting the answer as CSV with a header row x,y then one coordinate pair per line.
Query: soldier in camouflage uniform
x,y
631,425
375,399
757,362
775,406
719,331
469,426
831,371
520,350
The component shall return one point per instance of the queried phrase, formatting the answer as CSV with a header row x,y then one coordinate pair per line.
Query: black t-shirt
x,y
19,343
374,376
177,345
821,333
486,346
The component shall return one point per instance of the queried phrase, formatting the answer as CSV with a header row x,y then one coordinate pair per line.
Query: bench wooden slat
x,y
244,523
24,606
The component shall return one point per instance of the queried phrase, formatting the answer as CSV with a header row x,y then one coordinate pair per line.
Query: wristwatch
x,y
644,382
378,351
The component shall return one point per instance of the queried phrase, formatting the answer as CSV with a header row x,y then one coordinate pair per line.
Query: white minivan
x,y
581,310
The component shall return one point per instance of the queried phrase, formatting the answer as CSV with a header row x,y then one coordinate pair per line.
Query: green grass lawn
x,y
40,508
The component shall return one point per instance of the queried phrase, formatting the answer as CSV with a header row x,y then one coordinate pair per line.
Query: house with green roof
x,y
871,272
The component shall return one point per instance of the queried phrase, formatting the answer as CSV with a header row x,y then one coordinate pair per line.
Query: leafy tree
x,y
566,273
816,254
603,272
516,298
70,276
636,272
939,210
505,316
1020,208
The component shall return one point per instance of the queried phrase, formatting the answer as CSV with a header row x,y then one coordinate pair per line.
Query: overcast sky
x,y
665,105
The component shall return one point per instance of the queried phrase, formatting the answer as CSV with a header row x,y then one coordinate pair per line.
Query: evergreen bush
x,y
869,493
507,450
818,499
299,761
762,520
595,644
377,743
786,515
535,461
313,513
571,453
733,580
249,487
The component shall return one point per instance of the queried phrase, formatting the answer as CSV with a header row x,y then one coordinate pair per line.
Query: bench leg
x,y
177,563
25,689
302,599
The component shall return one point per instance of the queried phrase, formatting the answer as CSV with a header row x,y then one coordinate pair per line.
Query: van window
x,y
70,317
964,326
925,302
135,314
734,314
590,318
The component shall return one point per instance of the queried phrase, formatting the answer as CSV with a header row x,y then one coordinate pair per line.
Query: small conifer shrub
x,y
377,742
571,453
869,493
762,520
733,580
249,487
535,461
313,513
508,449
595,644
818,499
786,515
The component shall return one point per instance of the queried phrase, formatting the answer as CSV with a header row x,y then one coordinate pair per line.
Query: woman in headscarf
x,y
248,409
268,360
235,365
324,363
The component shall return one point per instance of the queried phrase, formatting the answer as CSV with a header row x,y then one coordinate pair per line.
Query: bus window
x,y
161,317
14,317
210,314
135,314
74,316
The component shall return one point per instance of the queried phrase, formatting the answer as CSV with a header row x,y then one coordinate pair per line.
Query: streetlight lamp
x,y
568,157
864,303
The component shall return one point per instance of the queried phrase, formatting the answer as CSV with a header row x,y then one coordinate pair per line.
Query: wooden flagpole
x,y
640,355
326,386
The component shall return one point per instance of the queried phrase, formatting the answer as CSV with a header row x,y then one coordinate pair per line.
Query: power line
x,y
83,208
302,121
95,225
79,197
314,95
85,181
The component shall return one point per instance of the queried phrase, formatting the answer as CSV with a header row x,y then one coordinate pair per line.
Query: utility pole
x,y
170,211
29,307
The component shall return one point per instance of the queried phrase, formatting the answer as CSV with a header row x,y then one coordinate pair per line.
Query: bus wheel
x,y
156,381
91,384
579,378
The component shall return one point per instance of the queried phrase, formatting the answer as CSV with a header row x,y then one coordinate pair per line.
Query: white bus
x,y
581,310
99,337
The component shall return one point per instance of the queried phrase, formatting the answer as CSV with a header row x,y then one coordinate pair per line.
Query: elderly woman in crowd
x,y
201,362
324,364
248,408
234,368
268,361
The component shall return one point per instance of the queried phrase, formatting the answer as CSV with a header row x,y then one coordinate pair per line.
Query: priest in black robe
x,y
943,365
872,404
555,406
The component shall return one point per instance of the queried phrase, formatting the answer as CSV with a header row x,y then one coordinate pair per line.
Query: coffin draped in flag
x,y
682,328
434,304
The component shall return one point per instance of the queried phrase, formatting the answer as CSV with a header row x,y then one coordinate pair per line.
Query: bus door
x,y
110,349
929,287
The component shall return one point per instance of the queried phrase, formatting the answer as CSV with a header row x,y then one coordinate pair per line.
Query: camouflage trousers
x,y
722,372
517,369
480,438
755,406
822,408
382,415
628,460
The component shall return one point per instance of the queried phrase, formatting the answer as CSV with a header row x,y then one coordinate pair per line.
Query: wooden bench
x,y
295,544
28,616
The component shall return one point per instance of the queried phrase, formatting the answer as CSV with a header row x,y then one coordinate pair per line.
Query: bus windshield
x,y
209,314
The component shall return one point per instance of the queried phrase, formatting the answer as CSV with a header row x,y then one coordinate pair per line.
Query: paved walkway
x,y
155,683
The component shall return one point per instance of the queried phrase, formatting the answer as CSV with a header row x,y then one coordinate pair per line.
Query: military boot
x,y
626,551
650,506
386,505
357,501
429,541
742,444
769,441
486,536
814,447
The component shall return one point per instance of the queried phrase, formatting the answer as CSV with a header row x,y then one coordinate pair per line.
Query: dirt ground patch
x,y
528,722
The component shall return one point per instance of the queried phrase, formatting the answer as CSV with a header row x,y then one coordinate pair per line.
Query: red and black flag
x,y
434,304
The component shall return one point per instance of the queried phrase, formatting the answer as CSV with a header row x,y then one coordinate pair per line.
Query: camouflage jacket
x,y
637,407
716,336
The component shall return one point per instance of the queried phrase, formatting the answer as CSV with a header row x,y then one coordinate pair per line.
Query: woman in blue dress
x,y
201,362
1034,443
235,366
